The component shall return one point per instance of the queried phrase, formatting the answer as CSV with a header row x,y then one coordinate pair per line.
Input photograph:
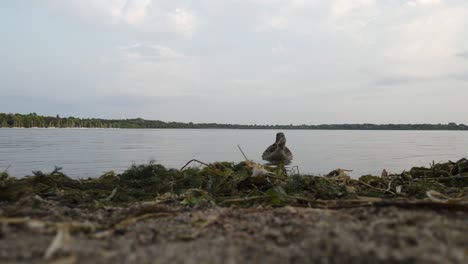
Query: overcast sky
x,y
237,61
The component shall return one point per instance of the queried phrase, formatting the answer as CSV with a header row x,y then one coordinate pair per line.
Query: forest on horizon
x,y
33,120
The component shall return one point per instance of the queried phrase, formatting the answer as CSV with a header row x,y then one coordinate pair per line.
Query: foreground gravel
x,y
237,235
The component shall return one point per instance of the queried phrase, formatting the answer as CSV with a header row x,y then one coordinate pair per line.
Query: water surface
x,y
91,152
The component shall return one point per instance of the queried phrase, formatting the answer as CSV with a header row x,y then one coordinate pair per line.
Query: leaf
x,y
277,195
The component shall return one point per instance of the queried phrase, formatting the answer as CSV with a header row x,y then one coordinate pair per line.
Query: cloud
x,y
231,52
148,69
273,15
183,21
430,35
149,52
394,80
145,15
134,12
131,12
463,55
310,17
344,7
461,76
423,2
278,49
406,38
166,52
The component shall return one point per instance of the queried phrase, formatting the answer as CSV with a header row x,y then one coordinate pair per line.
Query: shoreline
x,y
220,128
222,214
220,181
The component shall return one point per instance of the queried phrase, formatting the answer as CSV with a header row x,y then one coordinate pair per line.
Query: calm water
x,y
91,152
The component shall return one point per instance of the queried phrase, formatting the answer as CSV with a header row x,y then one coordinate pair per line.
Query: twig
x,y
335,204
459,176
424,204
243,154
298,171
274,177
108,198
375,188
130,221
441,198
389,186
294,169
193,160
36,223
421,204
246,199
211,220
302,199
134,219
6,169
62,242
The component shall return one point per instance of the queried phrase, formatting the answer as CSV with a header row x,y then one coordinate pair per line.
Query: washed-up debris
x,y
224,183
62,242
116,215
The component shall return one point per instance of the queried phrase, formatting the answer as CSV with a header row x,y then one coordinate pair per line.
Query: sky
x,y
237,61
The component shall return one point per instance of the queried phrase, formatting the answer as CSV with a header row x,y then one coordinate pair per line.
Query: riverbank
x,y
33,120
236,213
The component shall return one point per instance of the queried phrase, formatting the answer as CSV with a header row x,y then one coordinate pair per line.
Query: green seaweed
x,y
315,187
224,181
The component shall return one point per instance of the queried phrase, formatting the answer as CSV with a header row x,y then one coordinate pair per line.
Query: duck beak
x,y
282,141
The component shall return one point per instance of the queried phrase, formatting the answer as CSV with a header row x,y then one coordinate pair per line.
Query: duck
x,y
278,153
384,173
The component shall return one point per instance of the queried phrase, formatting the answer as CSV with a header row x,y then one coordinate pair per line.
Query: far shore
x,y
220,128
34,120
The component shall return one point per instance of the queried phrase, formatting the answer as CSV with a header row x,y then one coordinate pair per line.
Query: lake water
x,y
91,152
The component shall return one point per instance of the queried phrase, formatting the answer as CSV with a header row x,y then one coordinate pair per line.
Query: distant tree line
x,y
34,120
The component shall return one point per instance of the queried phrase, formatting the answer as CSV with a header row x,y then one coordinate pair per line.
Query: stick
x,y
459,176
108,198
375,188
243,154
6,169
274,177
246,199
190,161
130,220
389,186
418,204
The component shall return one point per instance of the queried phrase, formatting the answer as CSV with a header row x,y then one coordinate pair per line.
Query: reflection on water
x,y
91,152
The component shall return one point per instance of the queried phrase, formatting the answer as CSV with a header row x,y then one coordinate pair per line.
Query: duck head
x,y
280,139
